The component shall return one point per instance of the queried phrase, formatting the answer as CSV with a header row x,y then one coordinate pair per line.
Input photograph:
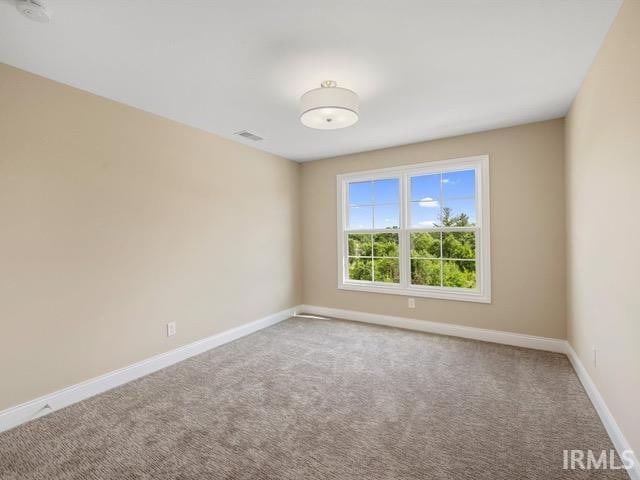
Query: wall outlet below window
x,y
411,302
171,329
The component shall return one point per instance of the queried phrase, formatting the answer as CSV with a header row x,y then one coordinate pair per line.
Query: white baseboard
x,y
14,416
610,424
495,336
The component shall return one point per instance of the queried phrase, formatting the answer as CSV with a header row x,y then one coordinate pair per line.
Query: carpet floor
x,y
325,399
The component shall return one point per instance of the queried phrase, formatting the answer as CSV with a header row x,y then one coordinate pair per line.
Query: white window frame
x,y
482,292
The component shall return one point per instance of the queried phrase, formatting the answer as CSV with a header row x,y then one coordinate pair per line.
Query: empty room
x,y
284,239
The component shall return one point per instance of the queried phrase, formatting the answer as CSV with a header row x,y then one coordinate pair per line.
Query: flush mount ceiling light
x,y
329,107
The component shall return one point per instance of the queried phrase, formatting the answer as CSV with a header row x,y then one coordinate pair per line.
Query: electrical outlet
x,y
171,329
411,302
595,356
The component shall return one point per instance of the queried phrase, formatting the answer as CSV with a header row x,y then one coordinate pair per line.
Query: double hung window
x,y
419,230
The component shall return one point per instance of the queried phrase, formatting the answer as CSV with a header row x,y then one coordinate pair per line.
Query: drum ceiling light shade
x,y
329,107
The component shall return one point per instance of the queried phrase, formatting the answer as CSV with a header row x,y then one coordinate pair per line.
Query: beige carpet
x,y
325,399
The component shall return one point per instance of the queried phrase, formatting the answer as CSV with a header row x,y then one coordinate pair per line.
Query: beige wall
x,y
603,176
114,222
527,230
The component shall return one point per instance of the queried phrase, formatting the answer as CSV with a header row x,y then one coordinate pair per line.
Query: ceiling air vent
x,y
249,135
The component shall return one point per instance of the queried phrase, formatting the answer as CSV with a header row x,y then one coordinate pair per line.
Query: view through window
x,y
417,230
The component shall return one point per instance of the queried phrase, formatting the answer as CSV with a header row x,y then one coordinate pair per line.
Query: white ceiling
x,y
424,69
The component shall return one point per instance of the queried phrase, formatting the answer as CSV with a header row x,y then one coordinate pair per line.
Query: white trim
x,y
486,335
38,407
479,163
413,291
609,422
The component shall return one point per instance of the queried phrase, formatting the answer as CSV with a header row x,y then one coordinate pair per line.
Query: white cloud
x,y
428,202
427,223
445,180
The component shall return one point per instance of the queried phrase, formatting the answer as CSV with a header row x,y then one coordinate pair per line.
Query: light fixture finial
x,y
329,84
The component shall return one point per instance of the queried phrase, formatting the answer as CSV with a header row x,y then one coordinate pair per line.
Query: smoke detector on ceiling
x,y
35,10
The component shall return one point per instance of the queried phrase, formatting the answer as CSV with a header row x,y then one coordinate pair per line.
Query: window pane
x,y
459,273
386,270
360,269
425,244
425,186
386,191
361,193
360,218
459,184
459,212
425,272
359,245
425,214
386,245
459,245
386,216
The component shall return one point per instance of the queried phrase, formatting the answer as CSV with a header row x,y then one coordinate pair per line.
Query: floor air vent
x,y
249,135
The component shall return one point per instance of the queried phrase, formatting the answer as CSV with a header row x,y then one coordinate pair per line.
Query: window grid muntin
x,y
442,258
373,203
372,257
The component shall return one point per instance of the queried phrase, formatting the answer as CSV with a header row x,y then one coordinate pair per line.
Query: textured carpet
x,y
325,399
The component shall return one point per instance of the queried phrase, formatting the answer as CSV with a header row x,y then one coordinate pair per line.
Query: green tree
x,y
437,258
454,254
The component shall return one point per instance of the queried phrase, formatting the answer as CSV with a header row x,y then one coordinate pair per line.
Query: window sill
x,y
442,294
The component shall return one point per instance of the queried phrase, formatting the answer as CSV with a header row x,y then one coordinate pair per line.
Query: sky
x,y
375,204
